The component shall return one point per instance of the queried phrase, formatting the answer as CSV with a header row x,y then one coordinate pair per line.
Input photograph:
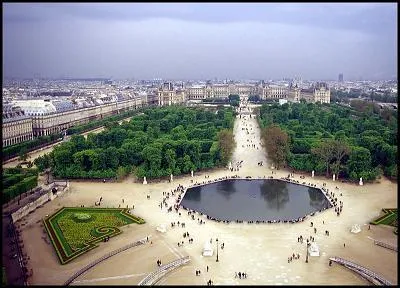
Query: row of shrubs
x,y
98,123
17,181
27,146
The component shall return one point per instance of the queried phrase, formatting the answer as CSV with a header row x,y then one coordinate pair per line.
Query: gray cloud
x,y
206,40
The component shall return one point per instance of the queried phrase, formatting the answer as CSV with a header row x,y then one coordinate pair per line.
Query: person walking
x,y
207,268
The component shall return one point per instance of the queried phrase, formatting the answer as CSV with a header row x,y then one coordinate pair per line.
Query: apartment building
x,y
17,127
196,92
41,118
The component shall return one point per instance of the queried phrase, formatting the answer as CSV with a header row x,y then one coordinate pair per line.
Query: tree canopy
x,y
351,142
157,143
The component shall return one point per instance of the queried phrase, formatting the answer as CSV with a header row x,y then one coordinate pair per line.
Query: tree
x,y
112,157
226,144
187,164
340,149
277,144
359,162
152,156
122,172
170,159
23,155
325,152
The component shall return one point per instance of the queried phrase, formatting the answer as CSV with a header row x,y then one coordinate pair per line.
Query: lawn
x,y
74,230
388,218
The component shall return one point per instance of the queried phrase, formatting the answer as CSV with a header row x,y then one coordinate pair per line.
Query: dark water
x,y
252,200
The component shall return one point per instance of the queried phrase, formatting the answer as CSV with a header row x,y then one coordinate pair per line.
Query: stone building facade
x,y
21,127
17,127
169,95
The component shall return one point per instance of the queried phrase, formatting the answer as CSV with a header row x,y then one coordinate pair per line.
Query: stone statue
x,y
230,166
192,173
361,182
312,173
172,178
333,177
144,181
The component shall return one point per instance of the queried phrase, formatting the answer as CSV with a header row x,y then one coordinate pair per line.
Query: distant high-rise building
x,y
340,77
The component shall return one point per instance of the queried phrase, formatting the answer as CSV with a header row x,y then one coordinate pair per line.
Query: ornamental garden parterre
x,y
75,230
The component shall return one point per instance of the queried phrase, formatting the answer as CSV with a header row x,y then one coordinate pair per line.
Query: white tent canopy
x,y
313,250
162,228
207,249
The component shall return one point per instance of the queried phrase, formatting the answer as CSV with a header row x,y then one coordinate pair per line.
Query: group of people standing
x,y
241,275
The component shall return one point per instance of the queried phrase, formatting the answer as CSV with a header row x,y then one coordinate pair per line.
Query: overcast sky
x,y
201,40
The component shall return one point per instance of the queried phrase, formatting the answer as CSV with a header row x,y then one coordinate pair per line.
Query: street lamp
x,y
217,250
307,253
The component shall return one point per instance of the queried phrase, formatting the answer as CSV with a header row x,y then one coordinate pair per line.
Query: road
x,y
40,152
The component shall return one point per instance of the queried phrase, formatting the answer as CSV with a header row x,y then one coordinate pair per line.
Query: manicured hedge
x,y
388,218
12,180
98,123
17,181
14,150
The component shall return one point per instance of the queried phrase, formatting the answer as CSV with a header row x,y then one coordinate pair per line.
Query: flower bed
x,y
76,230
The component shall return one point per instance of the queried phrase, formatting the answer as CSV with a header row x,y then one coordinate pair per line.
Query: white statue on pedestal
x,y
312,173
144,181
172,178
230,165
333,177
361,182
355,229
192,173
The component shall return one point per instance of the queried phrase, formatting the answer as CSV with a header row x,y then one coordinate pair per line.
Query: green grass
x,y
74,230
388,218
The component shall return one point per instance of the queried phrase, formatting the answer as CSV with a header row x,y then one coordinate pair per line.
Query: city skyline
x,y
200,40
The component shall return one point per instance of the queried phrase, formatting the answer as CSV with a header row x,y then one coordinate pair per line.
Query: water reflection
x,y
317,199
254,200
195,194
275,193
226,188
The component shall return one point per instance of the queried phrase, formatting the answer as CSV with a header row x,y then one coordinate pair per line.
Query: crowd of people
x,y
293,257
